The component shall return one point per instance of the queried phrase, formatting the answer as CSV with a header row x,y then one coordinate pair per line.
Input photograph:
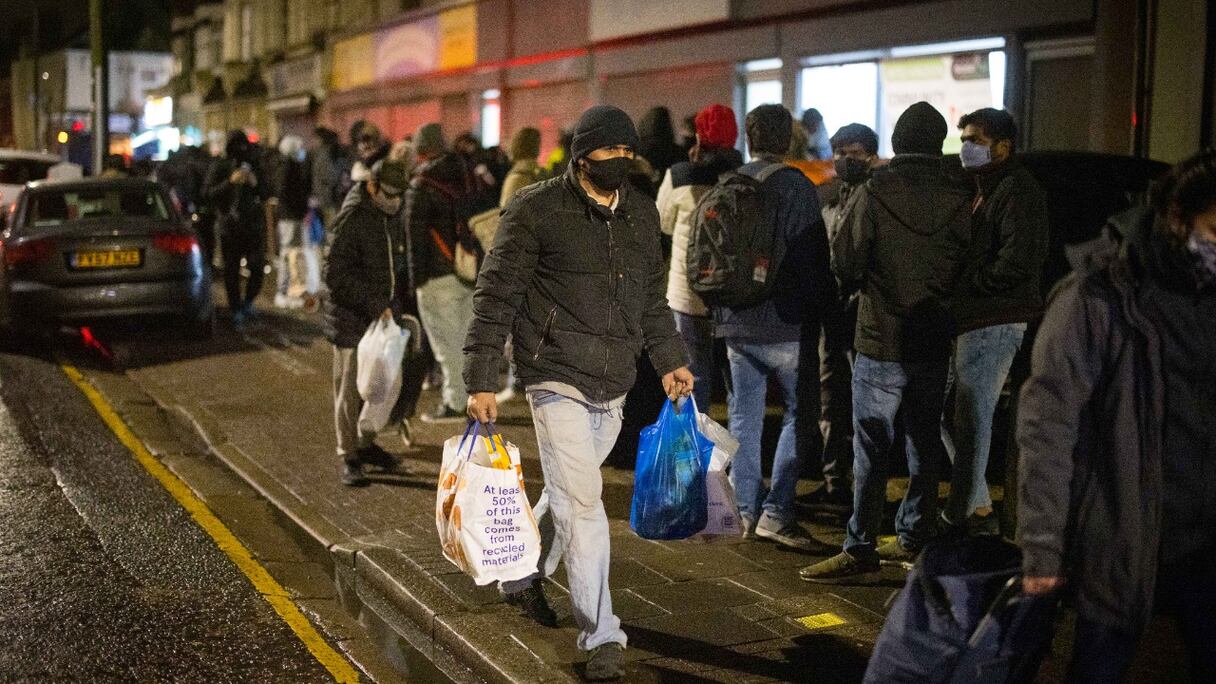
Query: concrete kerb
x,y
418,608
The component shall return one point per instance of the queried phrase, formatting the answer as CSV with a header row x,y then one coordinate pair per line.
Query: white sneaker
x,y
282,301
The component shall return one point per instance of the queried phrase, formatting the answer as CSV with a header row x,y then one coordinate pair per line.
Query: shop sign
x,y
616,18
132,75
447,40
954,84
296,76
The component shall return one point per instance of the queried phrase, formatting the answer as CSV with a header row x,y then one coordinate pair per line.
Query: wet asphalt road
x,y
103,577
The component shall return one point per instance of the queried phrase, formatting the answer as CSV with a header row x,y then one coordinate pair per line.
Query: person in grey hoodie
x,y
1117,436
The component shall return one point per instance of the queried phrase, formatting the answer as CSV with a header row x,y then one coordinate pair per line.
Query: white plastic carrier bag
x,y
378,376
482,514
724,521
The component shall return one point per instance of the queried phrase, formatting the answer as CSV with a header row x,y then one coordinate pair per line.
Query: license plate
x,y
117,258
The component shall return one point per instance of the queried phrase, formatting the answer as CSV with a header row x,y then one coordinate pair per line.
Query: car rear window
x,y
54,208
22,171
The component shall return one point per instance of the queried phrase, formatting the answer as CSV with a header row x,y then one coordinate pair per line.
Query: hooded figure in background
x,y
657,143
236,190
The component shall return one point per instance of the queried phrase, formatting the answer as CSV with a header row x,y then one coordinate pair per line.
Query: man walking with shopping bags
x,y
576,275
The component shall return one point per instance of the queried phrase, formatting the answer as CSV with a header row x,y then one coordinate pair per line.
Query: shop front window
x,y
874,88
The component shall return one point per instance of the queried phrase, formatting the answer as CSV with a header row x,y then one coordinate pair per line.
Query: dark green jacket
x,y
1002,283
901,242
580,288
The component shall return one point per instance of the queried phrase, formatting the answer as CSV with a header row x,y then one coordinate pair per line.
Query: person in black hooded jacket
x,y
368,279
903,239
236,191
1117,436
657,143
444,192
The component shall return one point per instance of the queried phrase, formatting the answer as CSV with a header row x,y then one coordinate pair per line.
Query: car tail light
x,y
28,252
175,243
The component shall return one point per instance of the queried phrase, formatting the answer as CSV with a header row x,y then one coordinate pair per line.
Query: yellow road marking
x,y
821,621
271,590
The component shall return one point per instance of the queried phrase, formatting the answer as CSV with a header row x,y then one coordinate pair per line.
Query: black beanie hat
x,y
920,130
602,126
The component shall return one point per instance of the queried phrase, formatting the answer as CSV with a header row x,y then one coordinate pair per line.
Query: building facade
x,y
1122,76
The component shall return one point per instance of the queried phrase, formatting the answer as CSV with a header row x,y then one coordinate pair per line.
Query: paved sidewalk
x,y
730,611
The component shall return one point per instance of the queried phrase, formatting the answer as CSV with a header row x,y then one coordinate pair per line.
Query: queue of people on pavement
x,y
905,290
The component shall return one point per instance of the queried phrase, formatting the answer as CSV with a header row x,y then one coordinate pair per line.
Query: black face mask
x,y
608,174
852,171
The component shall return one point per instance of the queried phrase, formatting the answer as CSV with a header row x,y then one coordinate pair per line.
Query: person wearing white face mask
x,y
999,294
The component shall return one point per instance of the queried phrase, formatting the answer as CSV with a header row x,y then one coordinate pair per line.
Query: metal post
x,y
101,86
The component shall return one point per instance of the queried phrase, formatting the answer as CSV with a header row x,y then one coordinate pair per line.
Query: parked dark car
x,y
82,251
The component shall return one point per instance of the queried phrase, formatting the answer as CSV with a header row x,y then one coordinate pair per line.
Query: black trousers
x,y
246,242
1186,591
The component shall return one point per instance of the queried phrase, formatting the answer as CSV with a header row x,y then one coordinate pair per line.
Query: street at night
x,y
514,341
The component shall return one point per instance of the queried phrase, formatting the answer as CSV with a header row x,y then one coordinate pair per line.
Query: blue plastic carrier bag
x,y
669,496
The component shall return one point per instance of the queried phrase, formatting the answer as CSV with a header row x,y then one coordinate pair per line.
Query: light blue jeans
x,y
295,246
574,439
978,370
446,308
751,363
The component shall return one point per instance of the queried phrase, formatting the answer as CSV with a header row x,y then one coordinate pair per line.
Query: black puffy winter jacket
x,y
366,271
582,289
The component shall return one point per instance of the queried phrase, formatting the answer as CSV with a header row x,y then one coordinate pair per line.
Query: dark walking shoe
x,y
983,525
534,604
352,475
837,500
444,414
895,553
376,456
843,568
607,663
789,534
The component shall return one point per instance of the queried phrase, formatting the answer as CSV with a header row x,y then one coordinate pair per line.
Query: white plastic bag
x,y
379,371
723,511
485,524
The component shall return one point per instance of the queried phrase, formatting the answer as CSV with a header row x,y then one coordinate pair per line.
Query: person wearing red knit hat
x,y
683,184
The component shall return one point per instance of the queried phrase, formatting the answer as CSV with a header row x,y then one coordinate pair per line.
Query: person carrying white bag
x,y
485,524
367,274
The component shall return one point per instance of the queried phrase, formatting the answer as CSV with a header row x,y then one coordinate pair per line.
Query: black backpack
x,y
735,247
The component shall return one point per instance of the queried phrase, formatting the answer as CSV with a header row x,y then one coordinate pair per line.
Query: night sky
x,y
143,25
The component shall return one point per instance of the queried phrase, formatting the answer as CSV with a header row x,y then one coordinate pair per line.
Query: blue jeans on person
x,y
751,364
574,439
698,335
880,389
978,370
